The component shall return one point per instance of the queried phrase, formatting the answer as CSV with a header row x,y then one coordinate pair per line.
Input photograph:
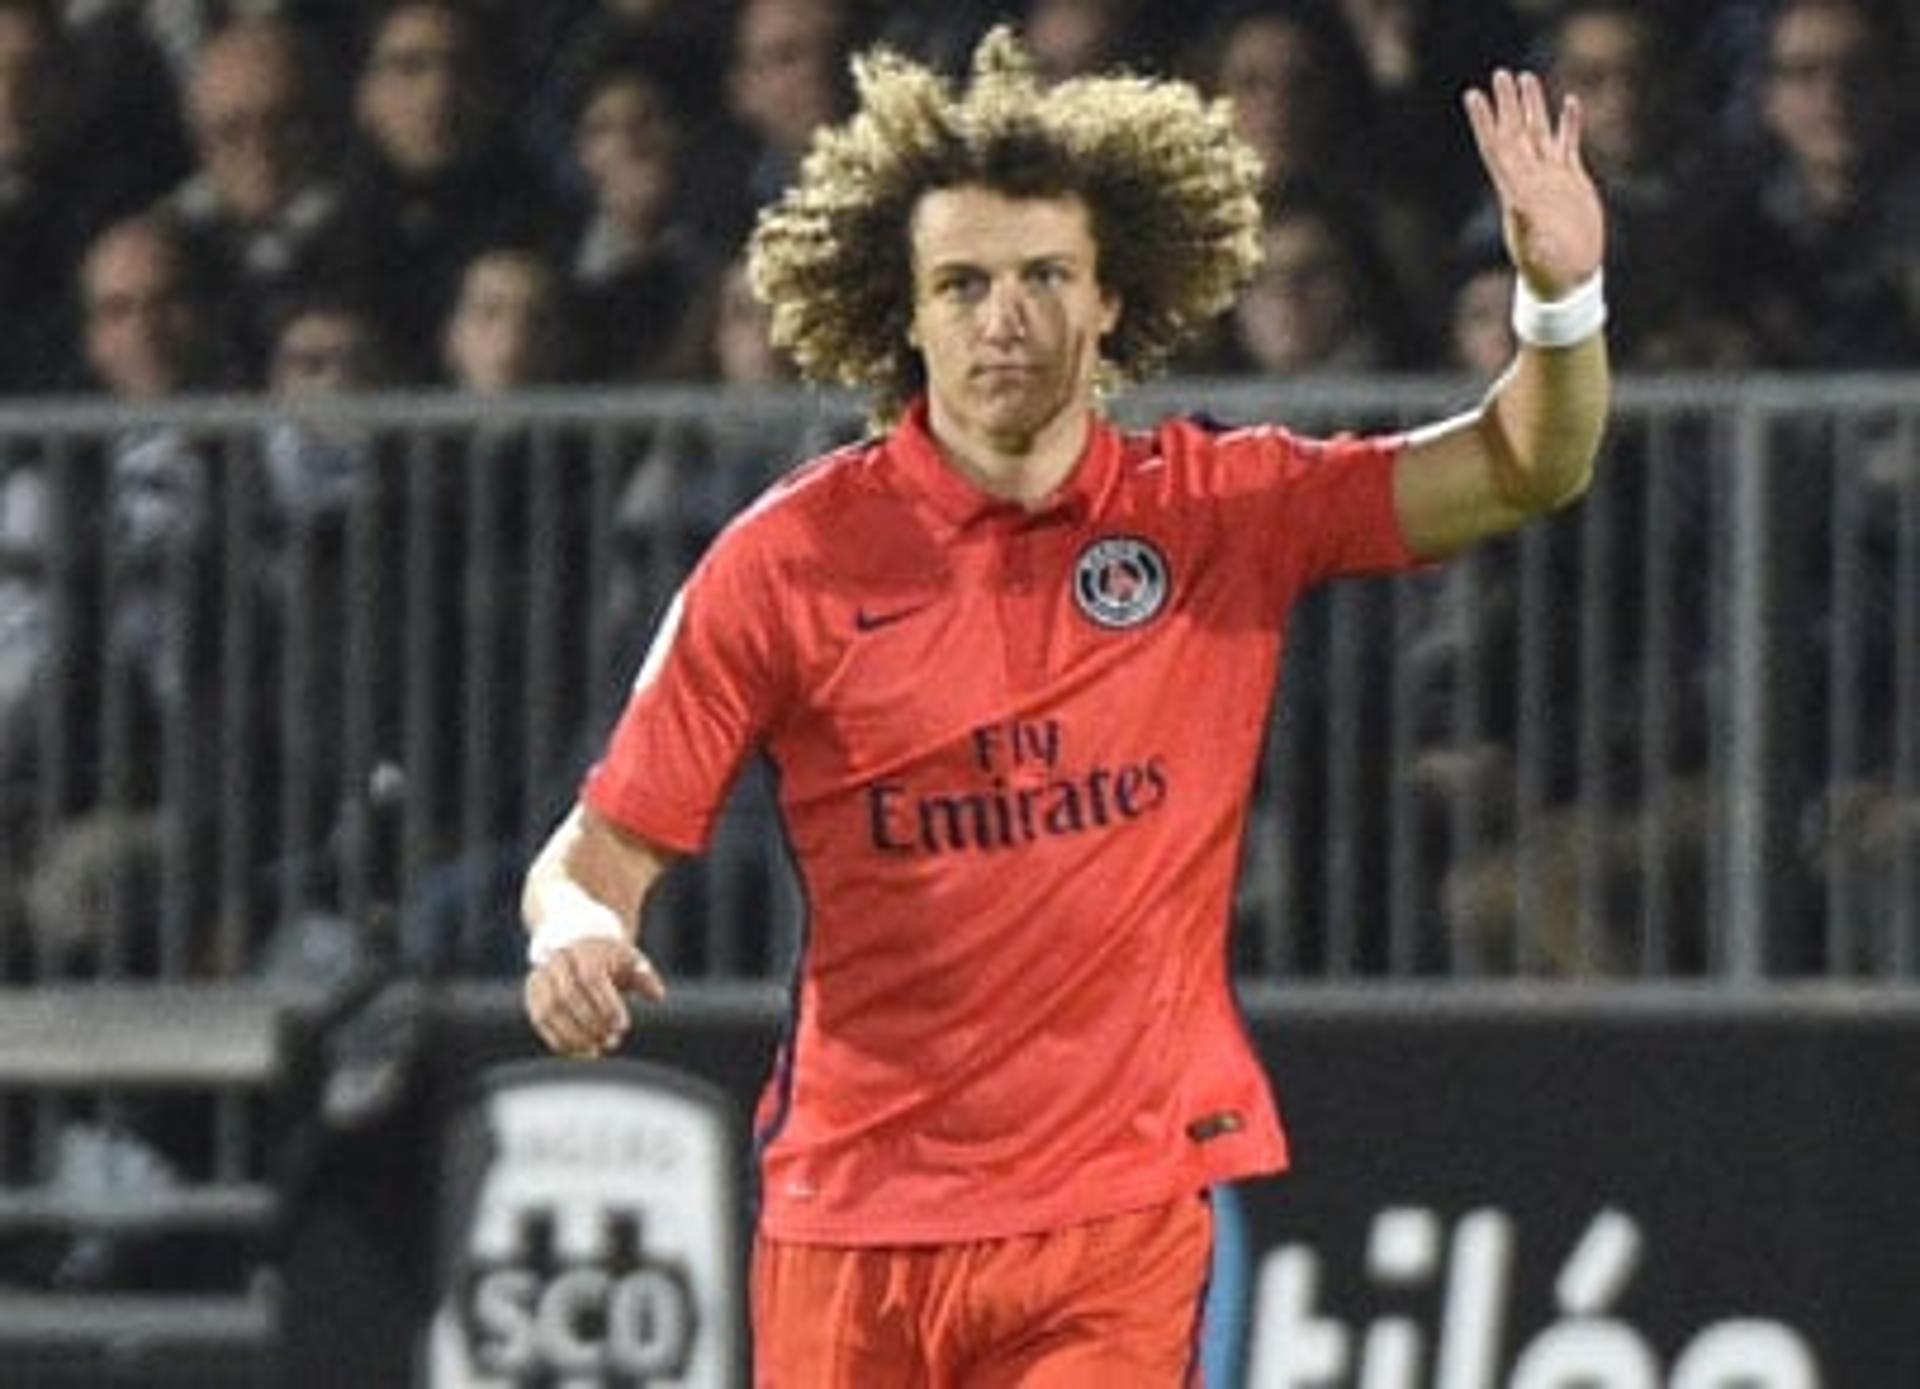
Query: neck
x,y
1024,466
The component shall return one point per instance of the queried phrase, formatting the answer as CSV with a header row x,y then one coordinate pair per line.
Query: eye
x,y
1050,274
961,286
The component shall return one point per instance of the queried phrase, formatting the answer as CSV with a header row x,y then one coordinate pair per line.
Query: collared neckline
x,y
959,500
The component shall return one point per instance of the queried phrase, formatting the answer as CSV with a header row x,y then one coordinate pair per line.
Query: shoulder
x,y
1205,437
804,510
1203,445
810,490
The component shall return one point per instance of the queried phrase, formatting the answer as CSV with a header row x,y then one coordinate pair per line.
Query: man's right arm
x,y
581,905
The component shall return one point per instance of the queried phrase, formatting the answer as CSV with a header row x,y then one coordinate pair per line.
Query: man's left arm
x,y
1530,444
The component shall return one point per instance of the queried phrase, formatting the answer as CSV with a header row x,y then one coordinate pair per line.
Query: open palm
x,y
1549,207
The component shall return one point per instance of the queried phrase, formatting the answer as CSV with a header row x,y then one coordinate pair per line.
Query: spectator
x,y
149,335
260,206
786,78
1301,98
638,263
679,47
1831,228
123,558
684,43
509,327
1295,87
322,346
1322,299
147,330
330,658
436,173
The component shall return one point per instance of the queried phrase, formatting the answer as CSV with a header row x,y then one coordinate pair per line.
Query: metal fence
x,y
293,695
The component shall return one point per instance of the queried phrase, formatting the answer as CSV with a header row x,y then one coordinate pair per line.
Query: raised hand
x,y
1550,209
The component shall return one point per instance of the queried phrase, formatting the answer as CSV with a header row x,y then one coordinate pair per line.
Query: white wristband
x,y
1573,318
586,920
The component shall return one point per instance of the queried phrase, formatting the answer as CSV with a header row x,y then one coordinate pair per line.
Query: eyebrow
x,y
951,264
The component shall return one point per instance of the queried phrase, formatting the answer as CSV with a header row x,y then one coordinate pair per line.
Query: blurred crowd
x,y
288,194
304,197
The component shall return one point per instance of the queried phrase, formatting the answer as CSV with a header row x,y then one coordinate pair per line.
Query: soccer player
x,y
1013,666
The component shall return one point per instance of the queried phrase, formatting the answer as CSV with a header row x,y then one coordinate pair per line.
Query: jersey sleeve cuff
x,y
618,800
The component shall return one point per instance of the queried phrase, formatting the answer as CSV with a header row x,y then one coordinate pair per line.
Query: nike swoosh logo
x,y
864,621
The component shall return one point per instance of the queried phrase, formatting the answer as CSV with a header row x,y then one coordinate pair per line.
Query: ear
x,y
1111,307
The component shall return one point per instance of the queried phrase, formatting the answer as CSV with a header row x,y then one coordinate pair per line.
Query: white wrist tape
x,y
1573,318
584,919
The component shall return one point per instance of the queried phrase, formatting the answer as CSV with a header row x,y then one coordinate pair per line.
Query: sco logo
x,y
590,1234
625,1319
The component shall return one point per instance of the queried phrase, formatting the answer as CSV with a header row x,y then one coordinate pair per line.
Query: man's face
x,y
502,331
784,76
627,142
142,332
321,352
249,121
1008,310
1271,75
1299,309
417,96
1825,100
1602,60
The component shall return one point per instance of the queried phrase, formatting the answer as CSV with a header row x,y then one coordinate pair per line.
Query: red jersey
x,y
1014,749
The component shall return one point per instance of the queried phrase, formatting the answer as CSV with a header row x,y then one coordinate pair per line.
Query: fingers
x,y
576,1000
1535,122
1512,124
1573,120
1484,121
565,1019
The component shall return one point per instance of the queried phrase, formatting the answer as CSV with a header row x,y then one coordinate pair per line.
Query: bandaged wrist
x,y
1573,318
581,919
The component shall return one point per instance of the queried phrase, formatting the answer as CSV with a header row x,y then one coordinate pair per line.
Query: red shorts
x,y
1112,1302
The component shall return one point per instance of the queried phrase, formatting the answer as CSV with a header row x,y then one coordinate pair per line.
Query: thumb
x,y
634,973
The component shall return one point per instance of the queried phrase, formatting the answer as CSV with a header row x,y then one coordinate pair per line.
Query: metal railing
x,y
290,695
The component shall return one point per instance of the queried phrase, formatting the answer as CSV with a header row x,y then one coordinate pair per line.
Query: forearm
x,y
589,873
1543,421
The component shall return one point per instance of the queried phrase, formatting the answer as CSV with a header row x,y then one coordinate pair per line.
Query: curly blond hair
x,y
1171,192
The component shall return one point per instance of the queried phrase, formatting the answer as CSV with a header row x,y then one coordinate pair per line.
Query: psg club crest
x,y
1120,581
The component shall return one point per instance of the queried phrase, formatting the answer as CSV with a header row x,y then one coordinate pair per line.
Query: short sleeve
x,y
1322,508
706,693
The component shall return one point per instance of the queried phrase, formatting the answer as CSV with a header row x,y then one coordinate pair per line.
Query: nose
x,y
1003,313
